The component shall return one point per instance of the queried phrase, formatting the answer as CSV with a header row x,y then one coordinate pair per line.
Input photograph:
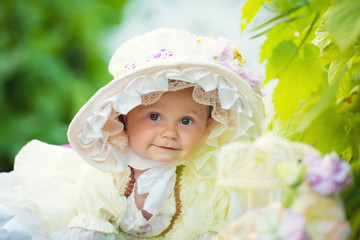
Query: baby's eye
x,y
154,117
186,121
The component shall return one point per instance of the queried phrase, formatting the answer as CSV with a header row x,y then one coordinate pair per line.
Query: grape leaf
x,y
279,33
298,81
250,8
344,22
326,132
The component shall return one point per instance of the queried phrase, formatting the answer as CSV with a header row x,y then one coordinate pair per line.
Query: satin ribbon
x,y
158,181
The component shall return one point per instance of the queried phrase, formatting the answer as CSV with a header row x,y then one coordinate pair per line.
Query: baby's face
x,y
170,129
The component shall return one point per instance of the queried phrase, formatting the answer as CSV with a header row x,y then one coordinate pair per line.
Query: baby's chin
x,y
169,160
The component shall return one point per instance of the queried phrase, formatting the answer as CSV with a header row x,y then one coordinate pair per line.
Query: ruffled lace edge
x,y
94,139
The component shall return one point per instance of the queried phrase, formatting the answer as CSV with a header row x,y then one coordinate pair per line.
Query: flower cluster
x,y
328,175
310,208
281,224
220,51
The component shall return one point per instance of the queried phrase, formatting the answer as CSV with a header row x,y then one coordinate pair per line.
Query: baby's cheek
x,y
193,139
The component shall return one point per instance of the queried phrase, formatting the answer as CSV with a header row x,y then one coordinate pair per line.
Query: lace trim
x,y
225,117
232,108
150,98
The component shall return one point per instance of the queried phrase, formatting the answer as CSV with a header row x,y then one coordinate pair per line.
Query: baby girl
x,y
142,160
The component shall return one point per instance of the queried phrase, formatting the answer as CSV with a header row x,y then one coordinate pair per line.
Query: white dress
x,y
52,190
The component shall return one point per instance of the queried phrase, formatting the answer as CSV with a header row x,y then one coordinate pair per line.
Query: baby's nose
x,y
169,131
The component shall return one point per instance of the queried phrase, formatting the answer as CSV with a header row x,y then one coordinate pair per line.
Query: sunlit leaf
x,y
348,82
344,22
279,18
250,8
286,5
327,98
326,132
322,40
300,80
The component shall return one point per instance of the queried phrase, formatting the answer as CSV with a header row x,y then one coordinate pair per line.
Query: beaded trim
x,y
131,183
178,205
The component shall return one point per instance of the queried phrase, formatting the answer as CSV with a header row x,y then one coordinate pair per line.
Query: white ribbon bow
x,y
158,181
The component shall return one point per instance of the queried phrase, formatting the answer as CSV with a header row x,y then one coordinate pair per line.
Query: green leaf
x,y
326,132
288,197
250,8
348,82
328,97
52,58
279,59
333,70
344,22
323,40
298,82
288,5
295,29
279,17
280,33
350,78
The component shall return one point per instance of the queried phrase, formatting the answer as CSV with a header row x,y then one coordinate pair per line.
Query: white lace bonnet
x,y
163,60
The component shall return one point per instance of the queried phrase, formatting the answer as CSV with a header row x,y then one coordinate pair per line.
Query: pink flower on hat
x,y
222,52
253,77
218,51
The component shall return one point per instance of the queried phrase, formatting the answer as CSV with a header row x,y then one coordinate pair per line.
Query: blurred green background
x,y
52,59
54,55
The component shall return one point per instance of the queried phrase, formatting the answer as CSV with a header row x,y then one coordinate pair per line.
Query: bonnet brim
x,y
216,76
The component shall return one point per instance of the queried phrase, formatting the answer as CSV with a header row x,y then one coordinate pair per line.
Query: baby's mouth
x,y
167,148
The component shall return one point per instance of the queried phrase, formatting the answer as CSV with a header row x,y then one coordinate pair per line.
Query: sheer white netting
x,y
103,137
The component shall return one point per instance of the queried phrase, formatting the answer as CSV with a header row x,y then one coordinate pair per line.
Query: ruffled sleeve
x,y
99,200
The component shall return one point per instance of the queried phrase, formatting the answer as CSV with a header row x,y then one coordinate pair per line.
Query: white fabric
x,y
81,234
134,223
48,170
11,226
95,137
48,217
158,181
19,218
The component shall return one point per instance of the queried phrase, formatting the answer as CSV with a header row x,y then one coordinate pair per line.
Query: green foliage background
x,y
312,48
52,60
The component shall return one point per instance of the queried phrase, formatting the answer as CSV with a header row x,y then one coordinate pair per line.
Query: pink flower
x,y
218,51
325,216
327,175
253,77
292,226
280,223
